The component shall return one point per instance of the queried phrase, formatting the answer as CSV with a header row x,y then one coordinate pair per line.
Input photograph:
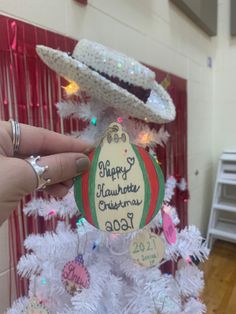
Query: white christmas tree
x,y
117,284
88,270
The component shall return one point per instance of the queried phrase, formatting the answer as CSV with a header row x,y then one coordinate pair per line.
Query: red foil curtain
x,y
29,92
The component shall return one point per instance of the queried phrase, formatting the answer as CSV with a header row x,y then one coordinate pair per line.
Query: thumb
x,y
61,167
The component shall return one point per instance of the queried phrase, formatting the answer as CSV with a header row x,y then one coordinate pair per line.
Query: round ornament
x,y
35,307
124,189
75,276
168,228
147,249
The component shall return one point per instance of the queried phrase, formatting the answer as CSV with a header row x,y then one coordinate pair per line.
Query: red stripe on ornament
x,y
153,182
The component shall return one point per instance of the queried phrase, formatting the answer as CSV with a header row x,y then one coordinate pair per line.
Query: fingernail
x,y
82,164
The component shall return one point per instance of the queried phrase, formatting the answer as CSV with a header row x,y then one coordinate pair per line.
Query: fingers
x,y
61,168
40,141
57,190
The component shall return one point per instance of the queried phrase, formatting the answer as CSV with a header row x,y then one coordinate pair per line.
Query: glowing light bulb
x,y
166,82
145,138
80,222
52,212
167,209
115,235
71,89
94,121
188,260
119,119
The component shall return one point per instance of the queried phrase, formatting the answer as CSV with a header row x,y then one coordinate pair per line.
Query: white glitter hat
x,y
113,78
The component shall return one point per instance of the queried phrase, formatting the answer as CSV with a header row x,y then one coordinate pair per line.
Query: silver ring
x,y
15,126
39,170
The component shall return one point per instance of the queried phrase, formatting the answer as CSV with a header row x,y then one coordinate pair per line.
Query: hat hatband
x,y
113,63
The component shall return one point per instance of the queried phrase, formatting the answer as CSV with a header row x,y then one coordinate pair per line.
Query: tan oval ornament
x,y
147,249
35,307
124,188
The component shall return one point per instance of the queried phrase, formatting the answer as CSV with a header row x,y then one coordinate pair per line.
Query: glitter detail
x,y
92,54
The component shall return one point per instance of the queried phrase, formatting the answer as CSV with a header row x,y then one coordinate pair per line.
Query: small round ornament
x,y
124,189
147,249
75,276
35,307
168,228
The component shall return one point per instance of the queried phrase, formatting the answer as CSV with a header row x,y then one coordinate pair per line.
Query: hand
x,y
61,153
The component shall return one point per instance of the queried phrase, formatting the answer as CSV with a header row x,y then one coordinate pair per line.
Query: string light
x,y
167,209
115,235
166,82
160,221
94,121
188,259
157,161
145,138
95,244
80,222
52,212
119,119
152,153
71,89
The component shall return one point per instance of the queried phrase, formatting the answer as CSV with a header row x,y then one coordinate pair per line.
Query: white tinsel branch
x,y
189,243
190,280
29,265
18,306
139,132
49,208
194,306
169,188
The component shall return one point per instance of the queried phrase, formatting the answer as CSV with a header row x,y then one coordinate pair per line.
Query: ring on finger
x,y
39,171
15,126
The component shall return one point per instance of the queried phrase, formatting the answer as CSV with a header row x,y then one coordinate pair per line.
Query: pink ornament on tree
x,y
168,228
75,277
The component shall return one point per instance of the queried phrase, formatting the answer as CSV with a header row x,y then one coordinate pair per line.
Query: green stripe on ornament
x,y
91,186
147,192
78,194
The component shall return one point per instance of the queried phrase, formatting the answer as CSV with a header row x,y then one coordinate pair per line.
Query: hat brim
x,y
159,107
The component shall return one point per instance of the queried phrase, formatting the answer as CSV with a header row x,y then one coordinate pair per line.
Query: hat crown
x,y
114,64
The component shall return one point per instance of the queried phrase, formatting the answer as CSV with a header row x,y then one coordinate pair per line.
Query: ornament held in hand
x,y
124,189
